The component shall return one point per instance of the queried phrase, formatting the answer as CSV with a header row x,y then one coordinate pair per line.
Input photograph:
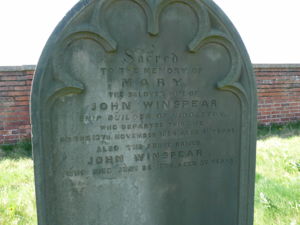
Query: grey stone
x,y
144,113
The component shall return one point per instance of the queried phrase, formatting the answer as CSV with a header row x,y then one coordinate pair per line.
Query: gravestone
x,y
144,113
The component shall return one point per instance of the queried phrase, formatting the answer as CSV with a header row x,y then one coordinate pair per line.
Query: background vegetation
x,y
277,194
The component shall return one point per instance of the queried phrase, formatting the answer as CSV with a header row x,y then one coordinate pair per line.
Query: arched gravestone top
x,y
144,113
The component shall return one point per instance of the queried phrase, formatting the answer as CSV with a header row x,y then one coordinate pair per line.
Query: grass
x,y
277,193
17,201
17,198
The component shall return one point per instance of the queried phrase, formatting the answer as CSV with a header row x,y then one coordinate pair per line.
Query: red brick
x,y
5,132
14,108
10,73
25,131
10,137
8,78
7,114
12,83
28,77
28,82
7,88
6,104
23,98
15,124
22,103
11,127
25,127
26,118
29,72
22,88
16,93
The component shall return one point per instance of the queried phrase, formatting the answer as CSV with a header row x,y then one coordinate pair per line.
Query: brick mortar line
x,y
275,65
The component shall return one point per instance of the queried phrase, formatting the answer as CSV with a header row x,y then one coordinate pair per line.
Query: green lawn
x,y
17,198
277,195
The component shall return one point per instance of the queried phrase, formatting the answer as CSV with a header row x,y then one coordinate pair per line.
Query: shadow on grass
x,y
20,150
283,131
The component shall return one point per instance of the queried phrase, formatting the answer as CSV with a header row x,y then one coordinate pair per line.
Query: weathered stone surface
x,y
143,113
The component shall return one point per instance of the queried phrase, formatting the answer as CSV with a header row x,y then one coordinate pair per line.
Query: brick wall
x,y
15,85
278,88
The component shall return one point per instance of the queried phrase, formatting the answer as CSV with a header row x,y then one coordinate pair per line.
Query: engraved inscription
x,y
149,120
